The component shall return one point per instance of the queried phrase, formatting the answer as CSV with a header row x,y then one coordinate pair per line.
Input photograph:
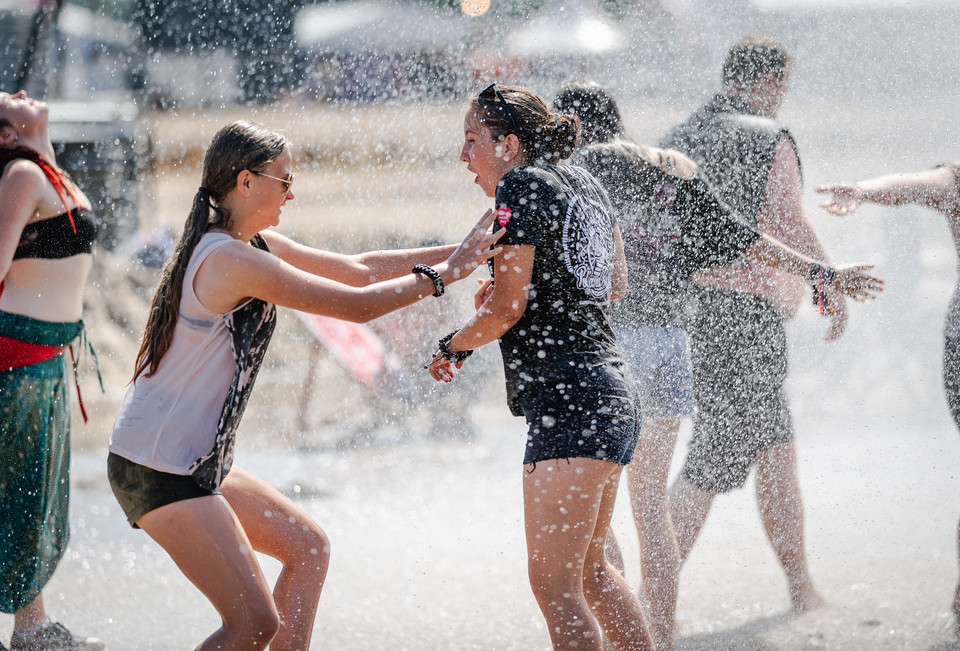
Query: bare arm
x,y
238,271
935,188
784,218
355,270
20,186
500,311
850,280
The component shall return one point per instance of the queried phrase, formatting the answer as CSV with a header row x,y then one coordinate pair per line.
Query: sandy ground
x,y
428,552
426,532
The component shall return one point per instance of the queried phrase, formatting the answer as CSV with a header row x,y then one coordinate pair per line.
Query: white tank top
x,y
188,411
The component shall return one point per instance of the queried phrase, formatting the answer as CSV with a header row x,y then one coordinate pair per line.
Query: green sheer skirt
x,y
34,463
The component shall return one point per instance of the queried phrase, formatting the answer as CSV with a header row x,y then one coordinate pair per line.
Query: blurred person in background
x,y
738,339
46,243
937,188
171,453
672,225
548,305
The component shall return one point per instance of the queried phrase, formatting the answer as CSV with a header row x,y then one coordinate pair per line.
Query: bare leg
x,y
613,603
659,555
689,507
562,511
781,509
205,539
292,537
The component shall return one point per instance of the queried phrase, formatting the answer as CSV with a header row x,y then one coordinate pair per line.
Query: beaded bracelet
x,y
433,275
444,347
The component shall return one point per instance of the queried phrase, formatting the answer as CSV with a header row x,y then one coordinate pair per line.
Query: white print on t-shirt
x,y
588,246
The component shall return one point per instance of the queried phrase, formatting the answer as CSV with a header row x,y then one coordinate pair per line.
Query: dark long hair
x,y
236,147
544,135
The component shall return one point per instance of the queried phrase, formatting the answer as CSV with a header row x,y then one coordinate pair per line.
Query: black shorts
x,y
140,490
739,349
593,420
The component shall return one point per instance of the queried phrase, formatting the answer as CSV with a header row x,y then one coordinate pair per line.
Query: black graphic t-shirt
x,y
672,225
565,330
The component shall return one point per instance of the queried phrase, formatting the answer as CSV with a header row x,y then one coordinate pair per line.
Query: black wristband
x,y
433,275
819,274
444,347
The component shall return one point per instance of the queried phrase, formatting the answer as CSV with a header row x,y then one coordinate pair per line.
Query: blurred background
x,y
372,95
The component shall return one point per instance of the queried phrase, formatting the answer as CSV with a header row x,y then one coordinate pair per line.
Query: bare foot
x,y
806,598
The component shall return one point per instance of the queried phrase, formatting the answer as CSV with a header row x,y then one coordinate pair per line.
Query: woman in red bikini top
x,y
46,236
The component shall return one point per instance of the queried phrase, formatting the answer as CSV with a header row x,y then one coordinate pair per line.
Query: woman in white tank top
x,y
211,319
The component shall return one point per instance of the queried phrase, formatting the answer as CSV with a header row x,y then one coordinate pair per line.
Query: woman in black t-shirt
x,y
673,225
549,306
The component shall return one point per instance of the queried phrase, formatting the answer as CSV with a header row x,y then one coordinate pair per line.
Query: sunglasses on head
x,y
491,96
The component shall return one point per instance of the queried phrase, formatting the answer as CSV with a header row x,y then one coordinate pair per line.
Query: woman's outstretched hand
x,y
476,248
441,369
853,282
845,199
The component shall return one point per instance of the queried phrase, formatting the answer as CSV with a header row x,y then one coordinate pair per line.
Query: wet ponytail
x,y
236,147
544,136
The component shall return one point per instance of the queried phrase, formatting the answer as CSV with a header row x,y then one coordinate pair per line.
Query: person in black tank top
x,y
548,304
37,323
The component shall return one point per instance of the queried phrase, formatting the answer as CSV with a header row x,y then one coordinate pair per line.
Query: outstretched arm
x,y
935,188
849,280
354,270
238,271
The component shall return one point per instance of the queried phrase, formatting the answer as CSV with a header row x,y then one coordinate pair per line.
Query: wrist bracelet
x,y
819,274
444,347
433,275
818,277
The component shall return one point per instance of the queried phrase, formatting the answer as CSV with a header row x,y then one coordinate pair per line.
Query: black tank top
x,y
55,237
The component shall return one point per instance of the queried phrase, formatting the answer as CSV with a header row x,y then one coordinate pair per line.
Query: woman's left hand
x,y
441,369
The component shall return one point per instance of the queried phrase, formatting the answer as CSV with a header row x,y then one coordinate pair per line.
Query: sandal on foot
x,y
54,637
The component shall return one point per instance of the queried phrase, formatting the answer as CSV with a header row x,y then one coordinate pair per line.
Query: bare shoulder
x,y
671,162
230,273
237,252
22,174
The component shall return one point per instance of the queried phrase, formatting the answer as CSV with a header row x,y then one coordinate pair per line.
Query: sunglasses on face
x,y
491,96
287,182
